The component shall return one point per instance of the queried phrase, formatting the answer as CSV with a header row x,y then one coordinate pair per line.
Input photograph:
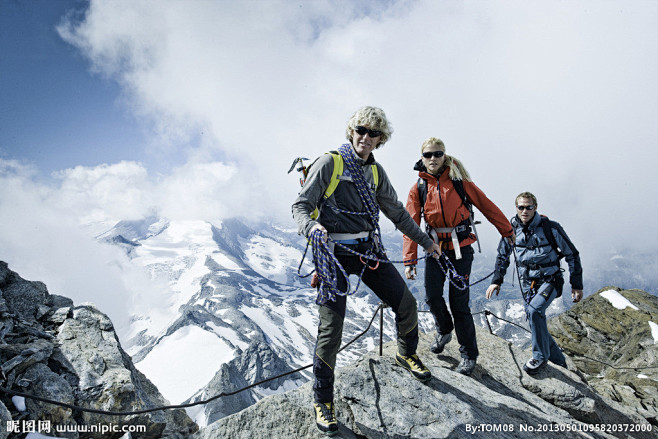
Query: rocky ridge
x,y
53,349
614,347
257,363
375,398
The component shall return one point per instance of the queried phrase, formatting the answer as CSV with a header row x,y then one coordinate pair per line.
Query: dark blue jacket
x,y
535,255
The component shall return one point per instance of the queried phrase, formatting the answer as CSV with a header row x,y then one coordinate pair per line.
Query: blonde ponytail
x,y
457,169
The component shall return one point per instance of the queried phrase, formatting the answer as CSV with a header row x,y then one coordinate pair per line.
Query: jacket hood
x,y
419,166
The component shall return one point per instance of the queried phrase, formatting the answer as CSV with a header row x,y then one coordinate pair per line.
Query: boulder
x,y
52,349
614,346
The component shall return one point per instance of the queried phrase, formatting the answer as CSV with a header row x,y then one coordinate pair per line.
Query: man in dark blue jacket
x,y
540,244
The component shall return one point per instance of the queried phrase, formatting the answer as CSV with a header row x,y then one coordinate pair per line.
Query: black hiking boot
x,y
440,342
466,367
413,364
532,367
325,417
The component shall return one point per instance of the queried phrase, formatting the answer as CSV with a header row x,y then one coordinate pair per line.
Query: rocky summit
x,y
53,349
375,398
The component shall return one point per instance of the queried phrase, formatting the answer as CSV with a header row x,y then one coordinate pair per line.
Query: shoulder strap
x,y
333,182
422,194
547,225
375,174
335,175
339,166
459,187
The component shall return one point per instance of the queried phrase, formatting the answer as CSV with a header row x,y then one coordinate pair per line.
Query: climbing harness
x,y
470,222
325,274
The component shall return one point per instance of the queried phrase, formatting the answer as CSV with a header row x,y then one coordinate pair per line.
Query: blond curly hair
x,y
373,118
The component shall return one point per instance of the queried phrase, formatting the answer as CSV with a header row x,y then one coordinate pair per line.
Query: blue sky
x,y
55,112
113,110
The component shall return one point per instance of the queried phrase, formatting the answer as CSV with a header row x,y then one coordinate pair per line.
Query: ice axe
x,y
302,168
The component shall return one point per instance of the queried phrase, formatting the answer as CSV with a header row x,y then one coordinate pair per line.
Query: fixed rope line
x,y
179,406
486,312
223,394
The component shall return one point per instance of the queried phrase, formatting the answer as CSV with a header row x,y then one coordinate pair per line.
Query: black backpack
x,y
548,225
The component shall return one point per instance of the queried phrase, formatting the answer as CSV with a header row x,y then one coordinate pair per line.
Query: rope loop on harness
x,y
326,268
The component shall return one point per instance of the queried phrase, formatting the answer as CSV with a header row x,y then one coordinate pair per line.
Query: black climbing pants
x,y
387,283
461,319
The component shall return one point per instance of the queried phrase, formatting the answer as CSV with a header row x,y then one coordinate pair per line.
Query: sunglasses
x,y
522,208
430,154
363,130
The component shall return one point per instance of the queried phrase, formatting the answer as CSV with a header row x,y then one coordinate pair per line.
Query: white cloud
x,y
556,98
106,192
41,239
558,90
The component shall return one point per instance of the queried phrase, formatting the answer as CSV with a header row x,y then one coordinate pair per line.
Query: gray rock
x,y
73,356
107,379
615,348
37,351
59,315
22,297
56,302
39,380
257,363
5,416
375,398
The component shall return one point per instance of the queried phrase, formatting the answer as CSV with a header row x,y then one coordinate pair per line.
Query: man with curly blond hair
x,y
347,219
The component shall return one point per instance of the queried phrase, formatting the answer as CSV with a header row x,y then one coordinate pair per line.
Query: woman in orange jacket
x,y
448,221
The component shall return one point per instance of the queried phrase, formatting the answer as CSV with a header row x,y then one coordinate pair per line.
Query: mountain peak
x,y
375,398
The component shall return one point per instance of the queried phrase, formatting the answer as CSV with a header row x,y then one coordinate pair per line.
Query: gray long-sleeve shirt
x,y
347,198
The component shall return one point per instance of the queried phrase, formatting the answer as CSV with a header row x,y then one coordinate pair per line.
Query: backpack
x,y
459,187
548,225
336,177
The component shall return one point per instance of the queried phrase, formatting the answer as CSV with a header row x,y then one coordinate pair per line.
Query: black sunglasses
x,y
429,154
363,130
522,208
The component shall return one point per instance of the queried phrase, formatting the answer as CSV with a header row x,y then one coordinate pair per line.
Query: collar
x,y
534,222
361,162
423,173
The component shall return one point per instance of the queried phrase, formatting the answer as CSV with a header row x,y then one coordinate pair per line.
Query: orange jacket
x,y
444,208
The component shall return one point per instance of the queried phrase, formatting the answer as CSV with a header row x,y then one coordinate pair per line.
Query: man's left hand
x,y
576,295
435,250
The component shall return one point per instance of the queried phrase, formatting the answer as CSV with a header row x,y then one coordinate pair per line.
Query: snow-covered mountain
x,y
225,287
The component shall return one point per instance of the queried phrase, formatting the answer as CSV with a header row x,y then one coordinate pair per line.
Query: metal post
x,y
381,329
486,317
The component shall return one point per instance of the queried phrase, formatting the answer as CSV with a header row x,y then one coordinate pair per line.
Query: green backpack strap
x,y
335,175
375,175
335,178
